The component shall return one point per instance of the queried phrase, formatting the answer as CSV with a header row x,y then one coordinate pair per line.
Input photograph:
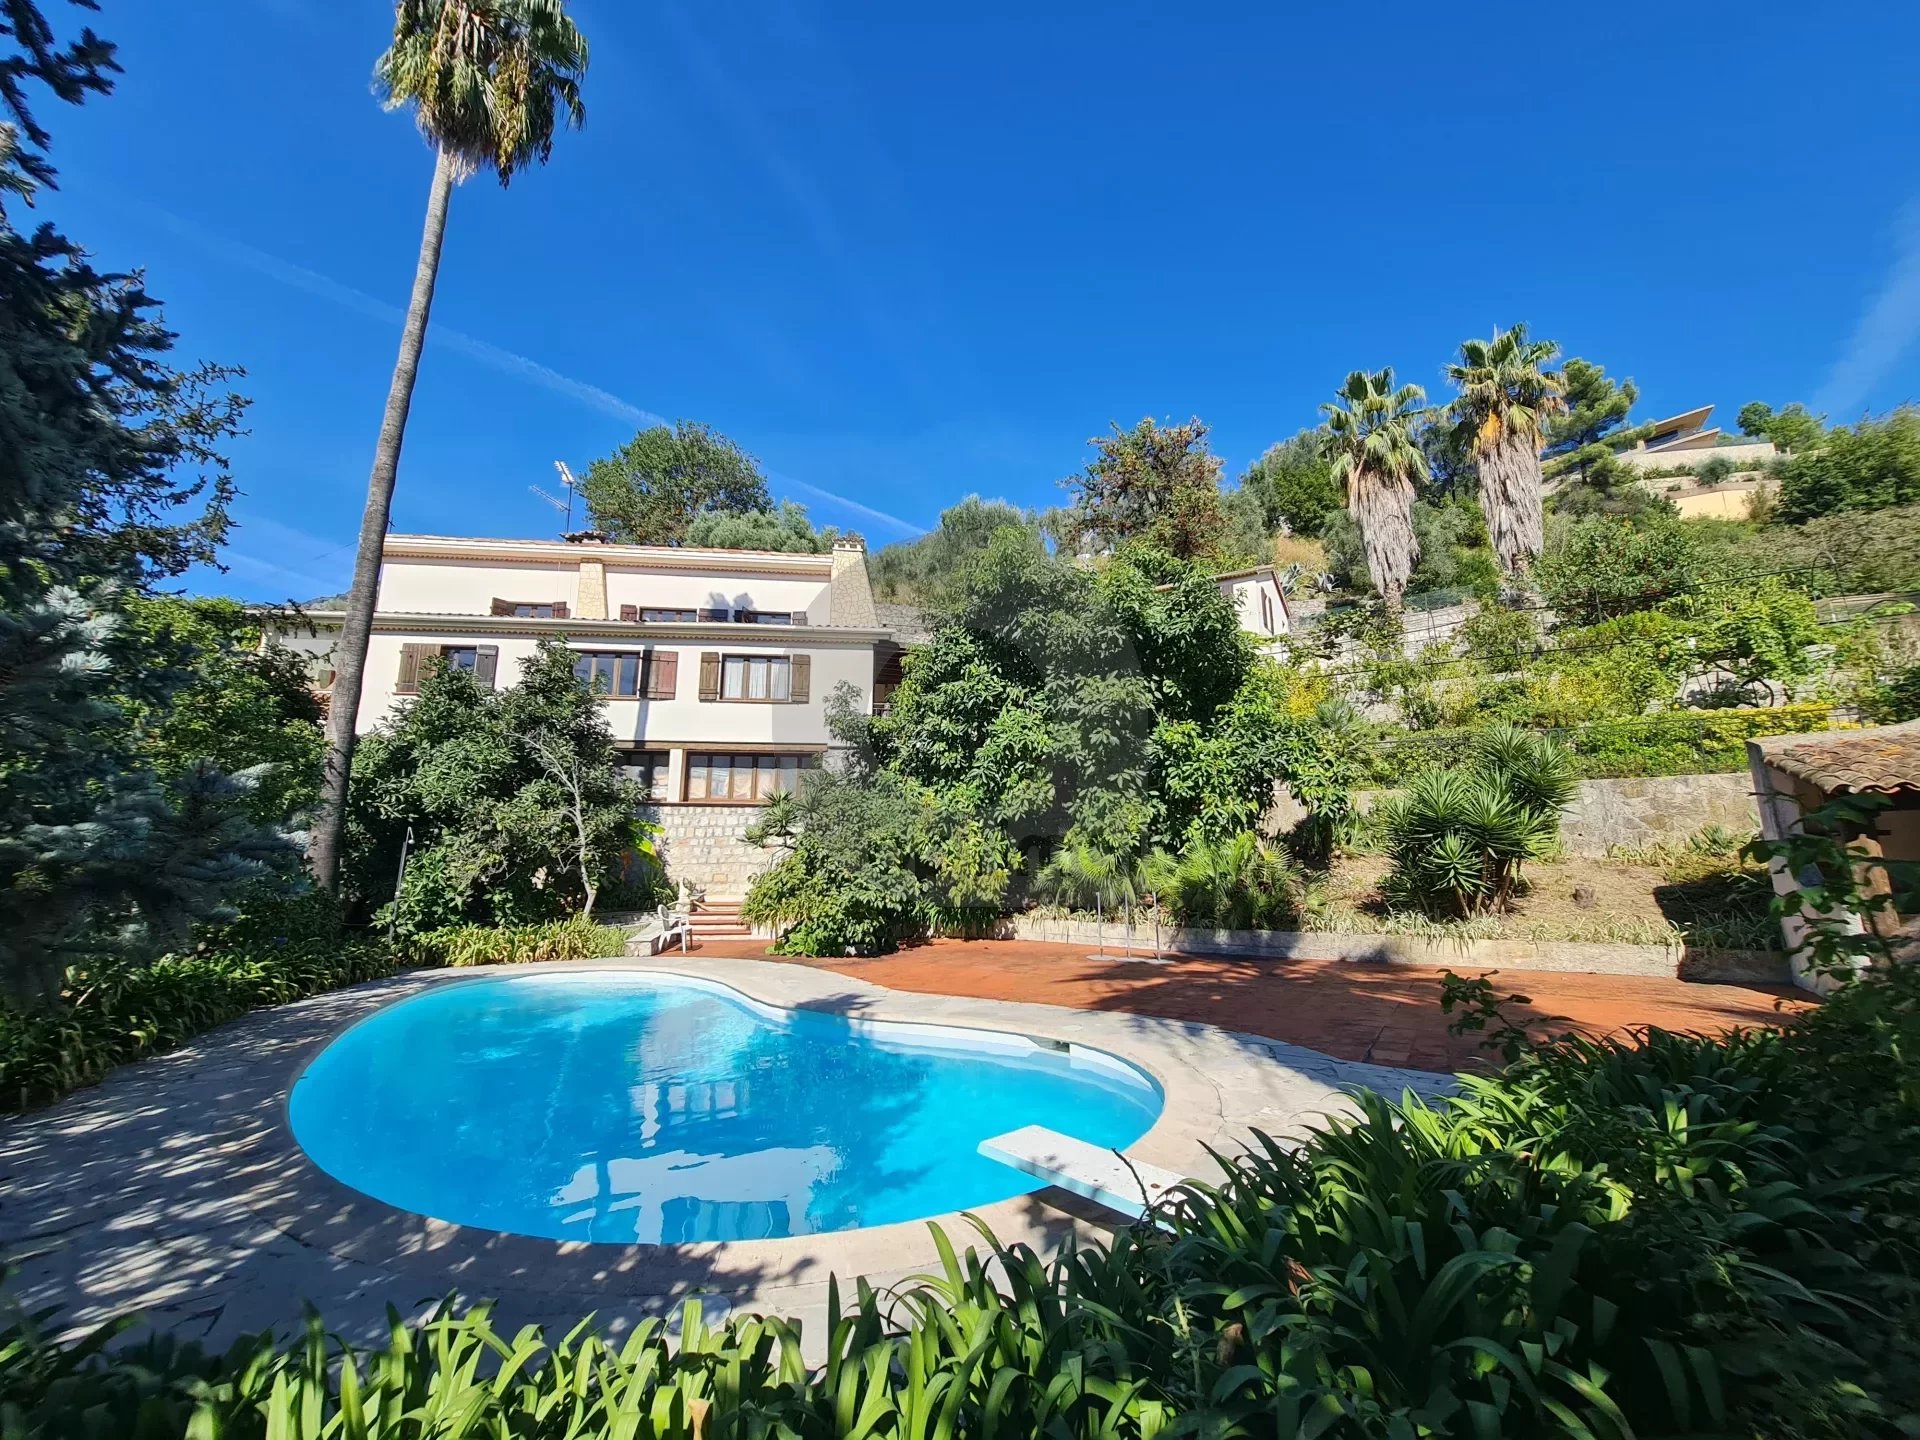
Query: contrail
x,y
299,277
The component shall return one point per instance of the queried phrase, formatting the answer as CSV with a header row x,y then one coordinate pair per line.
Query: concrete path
x,y
176,1189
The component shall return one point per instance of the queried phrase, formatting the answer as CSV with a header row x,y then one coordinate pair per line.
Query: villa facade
x,y
715,664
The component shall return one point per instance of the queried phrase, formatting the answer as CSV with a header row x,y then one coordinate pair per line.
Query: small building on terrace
x,y
1794,775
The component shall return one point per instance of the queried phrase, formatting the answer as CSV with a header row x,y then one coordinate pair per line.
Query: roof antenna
x,y
565,507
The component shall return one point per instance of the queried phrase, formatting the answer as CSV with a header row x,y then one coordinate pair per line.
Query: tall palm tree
x,y
489,82
1506,397
1368,435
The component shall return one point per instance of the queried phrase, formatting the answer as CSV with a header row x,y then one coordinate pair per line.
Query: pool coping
x,y
302,1201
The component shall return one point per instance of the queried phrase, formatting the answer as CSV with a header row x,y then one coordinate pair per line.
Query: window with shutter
x,y
560,611
799,617
709,614
408,682
710,675
630,613
486,661
800,689
663,674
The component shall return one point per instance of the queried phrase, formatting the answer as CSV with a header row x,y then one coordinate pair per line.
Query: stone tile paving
x,y
175,1188
1384,1013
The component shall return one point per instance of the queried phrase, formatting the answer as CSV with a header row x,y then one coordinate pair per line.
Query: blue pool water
x,y
620,1107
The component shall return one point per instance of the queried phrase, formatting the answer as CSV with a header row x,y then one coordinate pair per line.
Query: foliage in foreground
x,y
1650,1235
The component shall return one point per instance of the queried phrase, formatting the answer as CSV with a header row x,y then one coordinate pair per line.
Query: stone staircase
x,y
719,920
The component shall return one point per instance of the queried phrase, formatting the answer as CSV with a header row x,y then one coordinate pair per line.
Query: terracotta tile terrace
x,y
1386,1014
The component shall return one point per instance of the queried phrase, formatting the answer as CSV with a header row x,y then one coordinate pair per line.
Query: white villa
x,y
716,664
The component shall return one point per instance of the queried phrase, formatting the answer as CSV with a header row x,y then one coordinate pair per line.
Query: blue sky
x,y
905,253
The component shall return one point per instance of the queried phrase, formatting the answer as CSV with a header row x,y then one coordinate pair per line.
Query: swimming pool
x,y
622,1107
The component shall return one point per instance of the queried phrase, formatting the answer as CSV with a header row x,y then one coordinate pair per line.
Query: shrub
x,y
1239,883
281,951
575,938
1458,837
1675,742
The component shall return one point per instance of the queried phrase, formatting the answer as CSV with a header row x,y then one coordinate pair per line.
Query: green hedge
x,y
1659,1235
1677,742
289,951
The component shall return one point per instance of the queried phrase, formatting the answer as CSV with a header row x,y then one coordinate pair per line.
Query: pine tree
x,y
99,859
1586,437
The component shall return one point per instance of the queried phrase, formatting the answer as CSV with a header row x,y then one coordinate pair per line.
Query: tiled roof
x,y
1883,759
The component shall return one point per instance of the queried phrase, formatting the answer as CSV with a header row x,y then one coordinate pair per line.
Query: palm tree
x,y
1369,437
489,81
1506,397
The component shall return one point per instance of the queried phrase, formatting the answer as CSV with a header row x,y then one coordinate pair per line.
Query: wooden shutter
x,y
560,611
800,690
800,617
663,674
630,613
709,674
713,614
410,658
486,663
502,607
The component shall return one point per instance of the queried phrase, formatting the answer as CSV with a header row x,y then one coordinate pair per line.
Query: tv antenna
x,y
565,507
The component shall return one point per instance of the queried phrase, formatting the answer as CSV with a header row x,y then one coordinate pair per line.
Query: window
x,y
1266,611
756,677
671,617
649,767
480,660
770,617
743,779
628,674
609,672
532,609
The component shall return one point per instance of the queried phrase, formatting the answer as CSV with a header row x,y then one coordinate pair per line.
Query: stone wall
x,y
1660,810
1578,957
702,844
1606,815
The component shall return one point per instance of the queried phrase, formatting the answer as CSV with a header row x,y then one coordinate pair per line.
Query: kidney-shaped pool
x,y
621,1107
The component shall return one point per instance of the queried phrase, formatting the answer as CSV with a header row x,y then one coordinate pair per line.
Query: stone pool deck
x,y
1353,1010
174,1188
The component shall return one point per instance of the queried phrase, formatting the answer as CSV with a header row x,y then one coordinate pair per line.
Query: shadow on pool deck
x,y
1382,1013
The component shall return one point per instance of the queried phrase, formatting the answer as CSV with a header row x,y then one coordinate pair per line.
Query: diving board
x,y
1088,1170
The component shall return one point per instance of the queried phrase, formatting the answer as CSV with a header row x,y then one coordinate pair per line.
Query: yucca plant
x,y
1459,837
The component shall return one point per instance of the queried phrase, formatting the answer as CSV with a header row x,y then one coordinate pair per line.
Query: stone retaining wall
x,y
1659,810
1640,814
1685,962
701,844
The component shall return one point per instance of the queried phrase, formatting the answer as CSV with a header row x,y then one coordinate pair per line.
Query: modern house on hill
x,y
1687,440
715,664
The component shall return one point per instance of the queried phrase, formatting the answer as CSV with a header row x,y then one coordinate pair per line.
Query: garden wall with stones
x,y
1608,815
701,844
